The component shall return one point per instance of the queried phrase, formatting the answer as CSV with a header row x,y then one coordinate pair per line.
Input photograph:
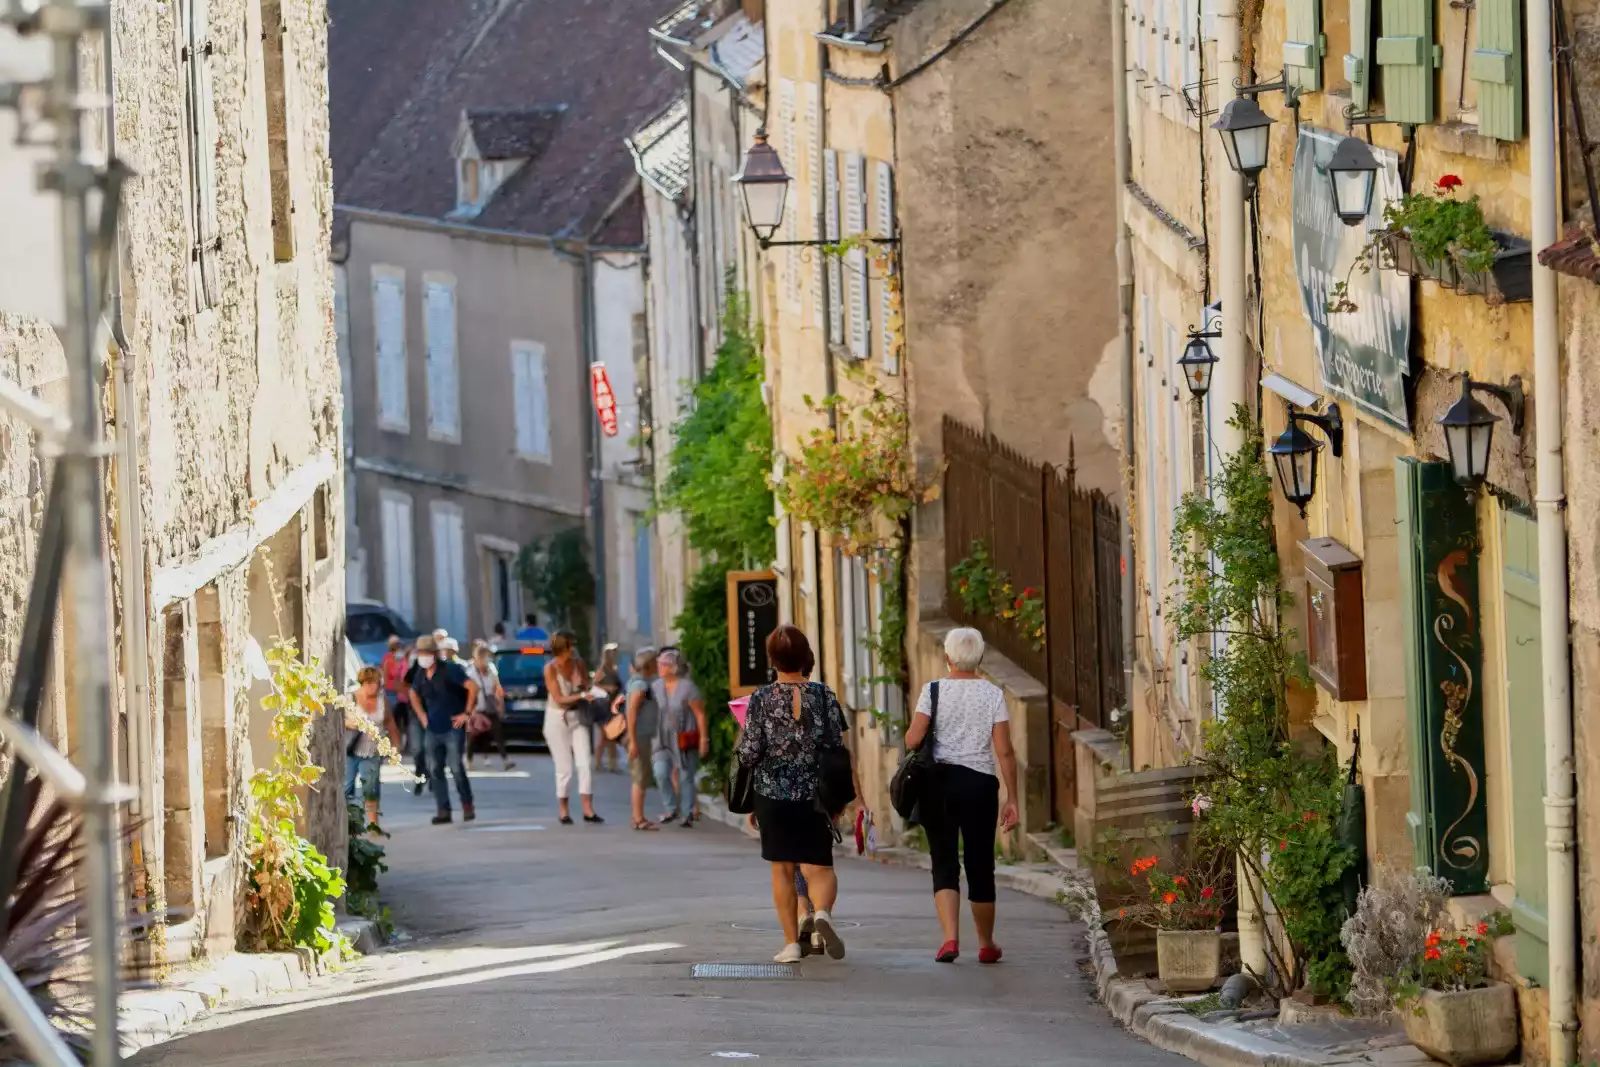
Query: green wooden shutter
x,y
1496,66
1519,552
1405,492
1407,56
1303,43
1358,61
1447,704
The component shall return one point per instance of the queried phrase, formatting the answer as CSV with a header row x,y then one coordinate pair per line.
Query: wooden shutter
x,y
888,315
856,260
844,587
1303,43
444,401
814,180
1188,28
1407,55
399,565
787,142
830,193
1496,65
389,333
1358,61
1519,553
521,398
202,122
530,384
449,570
1444,657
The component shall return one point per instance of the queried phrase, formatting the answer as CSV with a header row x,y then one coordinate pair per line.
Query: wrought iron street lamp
x,y
1353,172
765,188
1469,427
1245,130
1198,361
1294,453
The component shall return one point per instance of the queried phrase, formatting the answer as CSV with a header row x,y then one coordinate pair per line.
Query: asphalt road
x,y
535,943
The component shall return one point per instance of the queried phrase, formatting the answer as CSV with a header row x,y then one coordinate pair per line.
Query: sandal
x,y
646,824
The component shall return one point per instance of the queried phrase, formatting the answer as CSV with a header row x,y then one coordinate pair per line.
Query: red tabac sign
x,y
605,401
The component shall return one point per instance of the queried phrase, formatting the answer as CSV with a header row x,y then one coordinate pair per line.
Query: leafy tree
x,y
557,574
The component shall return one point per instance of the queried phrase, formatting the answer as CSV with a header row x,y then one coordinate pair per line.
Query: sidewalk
x,y
1217,1038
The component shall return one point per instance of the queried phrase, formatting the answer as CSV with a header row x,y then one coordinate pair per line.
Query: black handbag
x,y
911,778
741,791
836,776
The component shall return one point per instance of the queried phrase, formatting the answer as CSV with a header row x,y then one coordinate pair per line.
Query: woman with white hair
x,y
964,717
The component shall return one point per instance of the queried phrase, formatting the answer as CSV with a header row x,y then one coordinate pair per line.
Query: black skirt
x,y
794,831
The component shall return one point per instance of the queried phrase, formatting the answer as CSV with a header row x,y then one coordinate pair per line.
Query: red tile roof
x,y
1574,254
400,86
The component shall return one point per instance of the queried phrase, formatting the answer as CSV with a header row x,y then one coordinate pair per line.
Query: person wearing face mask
x,y
444,697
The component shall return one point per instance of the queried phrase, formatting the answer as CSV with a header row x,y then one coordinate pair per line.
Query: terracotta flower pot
x,y
1188,961
1469,1027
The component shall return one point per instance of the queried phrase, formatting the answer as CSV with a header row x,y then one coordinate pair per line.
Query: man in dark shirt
x,y
442,695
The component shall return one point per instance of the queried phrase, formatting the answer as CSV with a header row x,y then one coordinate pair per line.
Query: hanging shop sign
x,y
752,616
605,401
1362,352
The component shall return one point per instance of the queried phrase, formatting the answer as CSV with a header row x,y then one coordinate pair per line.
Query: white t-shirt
x,y
964,731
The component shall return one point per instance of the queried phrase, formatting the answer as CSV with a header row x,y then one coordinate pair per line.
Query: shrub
x,y
1393,918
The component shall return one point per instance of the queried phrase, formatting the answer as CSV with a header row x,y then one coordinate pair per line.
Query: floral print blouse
x,y
783,750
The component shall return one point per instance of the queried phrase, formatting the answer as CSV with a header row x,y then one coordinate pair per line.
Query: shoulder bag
x,y
911,779
836,779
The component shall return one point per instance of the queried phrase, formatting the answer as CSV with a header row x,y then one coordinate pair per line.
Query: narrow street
x,y
536,943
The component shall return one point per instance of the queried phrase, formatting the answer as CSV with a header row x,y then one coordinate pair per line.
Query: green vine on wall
x,y
983,590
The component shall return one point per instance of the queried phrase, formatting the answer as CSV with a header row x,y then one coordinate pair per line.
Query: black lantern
x,y
1294,453
765,186
1469,427
1198,361
1245,129
1353,172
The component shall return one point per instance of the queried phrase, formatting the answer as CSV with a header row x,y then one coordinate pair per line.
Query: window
x,y
883,213
830,193
505,591
200,121
1189,17
814,178
444,392
469,190
449,569
321,525
788,149
399,564
276,62
855,265
530,388
1160,36
389,340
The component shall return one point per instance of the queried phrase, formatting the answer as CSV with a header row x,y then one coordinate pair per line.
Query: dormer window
x,y
468,186
492,145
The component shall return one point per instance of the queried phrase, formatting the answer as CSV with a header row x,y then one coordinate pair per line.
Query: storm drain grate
x,y
745,970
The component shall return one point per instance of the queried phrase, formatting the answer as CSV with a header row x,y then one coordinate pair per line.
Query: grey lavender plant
x,y
1385,936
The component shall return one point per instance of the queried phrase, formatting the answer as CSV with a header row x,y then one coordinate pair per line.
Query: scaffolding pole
x,y
77,441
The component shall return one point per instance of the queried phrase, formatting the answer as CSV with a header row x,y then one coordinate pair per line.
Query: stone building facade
x,y
224,493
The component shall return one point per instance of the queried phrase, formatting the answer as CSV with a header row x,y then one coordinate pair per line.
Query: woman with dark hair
x,y
788,723
566,725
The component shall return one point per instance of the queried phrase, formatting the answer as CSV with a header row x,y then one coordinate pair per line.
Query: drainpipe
x,y
1230,386
130,544
1553,592
1119,111
584,260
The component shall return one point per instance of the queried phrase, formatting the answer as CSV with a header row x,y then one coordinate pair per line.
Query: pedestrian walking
x,y
393,672
444,697
970,729
644,720
567,719
790,724
492,703
682,739
606,677
361,752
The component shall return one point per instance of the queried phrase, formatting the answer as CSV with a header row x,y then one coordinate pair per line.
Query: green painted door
x,y
1519,539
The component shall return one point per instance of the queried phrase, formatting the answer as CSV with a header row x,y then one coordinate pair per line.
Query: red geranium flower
x,y
1282,845
1169,898
1461,941
1432,954
1207,893
1180,880
1449,182
1483,928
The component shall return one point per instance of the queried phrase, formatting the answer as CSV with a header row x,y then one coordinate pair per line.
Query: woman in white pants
x,y
566,725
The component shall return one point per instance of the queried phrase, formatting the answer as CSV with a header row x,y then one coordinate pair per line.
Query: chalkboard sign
x,y
752,616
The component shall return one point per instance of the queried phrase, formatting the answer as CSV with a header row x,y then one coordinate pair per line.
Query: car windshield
x,y
517,667
368,627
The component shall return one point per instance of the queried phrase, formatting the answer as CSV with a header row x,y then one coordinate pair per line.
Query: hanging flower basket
x,y
1508,281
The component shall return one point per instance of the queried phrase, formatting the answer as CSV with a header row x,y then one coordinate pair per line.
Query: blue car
x,y
521,668
368,625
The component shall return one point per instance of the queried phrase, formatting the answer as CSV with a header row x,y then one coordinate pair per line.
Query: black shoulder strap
x,y
933,698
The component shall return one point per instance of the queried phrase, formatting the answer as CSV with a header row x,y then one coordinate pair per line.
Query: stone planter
x,y
1473,1026
1188,961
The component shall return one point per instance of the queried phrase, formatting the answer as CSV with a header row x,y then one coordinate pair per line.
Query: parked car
x,y
368,625
521,668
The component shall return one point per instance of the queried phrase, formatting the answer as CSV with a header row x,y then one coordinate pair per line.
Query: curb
x,y
152,1016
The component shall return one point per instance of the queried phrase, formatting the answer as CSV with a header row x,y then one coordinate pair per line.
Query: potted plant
x,y
1451,1008
1183,902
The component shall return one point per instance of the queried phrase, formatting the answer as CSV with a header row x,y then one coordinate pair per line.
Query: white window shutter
x,y
835,268
848,636
444,401
521,393
449,570
856,260
814,179
788,143
883,210
389,333
531,390
399,565
1161,36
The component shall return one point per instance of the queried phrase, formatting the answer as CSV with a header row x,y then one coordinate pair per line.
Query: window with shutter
x,y
1303,43
1407,55
1160,36
389,341
1496,67
856,260
888,315
449,569
1188,28
788,141
531,394
444,400
200,115
814,182
849,636
861,592
399,564
277,63
830,192
1358,61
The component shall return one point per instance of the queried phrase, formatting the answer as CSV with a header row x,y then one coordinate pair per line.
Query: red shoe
x,y
948,952
989,954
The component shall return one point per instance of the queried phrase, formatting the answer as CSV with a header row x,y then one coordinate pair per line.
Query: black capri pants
x,y
965,806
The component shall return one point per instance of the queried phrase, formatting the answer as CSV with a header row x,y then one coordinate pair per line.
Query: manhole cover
x,y
745,970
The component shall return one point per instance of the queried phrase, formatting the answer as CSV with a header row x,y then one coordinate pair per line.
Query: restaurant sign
x,y
1363,353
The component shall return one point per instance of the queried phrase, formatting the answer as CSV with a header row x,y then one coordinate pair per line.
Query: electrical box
x,y
1336,643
